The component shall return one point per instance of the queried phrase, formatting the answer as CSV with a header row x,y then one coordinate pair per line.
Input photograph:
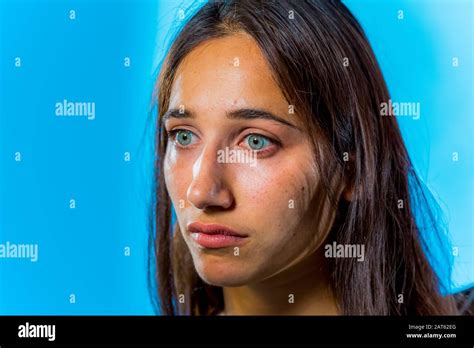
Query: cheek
x,y
175,173
276,194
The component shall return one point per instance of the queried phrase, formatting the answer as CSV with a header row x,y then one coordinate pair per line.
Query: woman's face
x,y
237,156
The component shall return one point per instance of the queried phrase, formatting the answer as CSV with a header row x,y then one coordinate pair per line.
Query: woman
x,y
322,221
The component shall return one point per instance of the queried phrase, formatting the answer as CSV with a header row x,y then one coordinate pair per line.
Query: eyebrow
x,y
240,114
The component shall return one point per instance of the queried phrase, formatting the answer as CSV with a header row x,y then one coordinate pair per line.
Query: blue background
x,y
82,250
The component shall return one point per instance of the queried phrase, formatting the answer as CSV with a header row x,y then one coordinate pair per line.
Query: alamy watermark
x,y
19,251
345,250
75,109
28,330
391,108
237,156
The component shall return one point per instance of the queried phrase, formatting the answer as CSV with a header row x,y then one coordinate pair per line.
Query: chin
x,y
215,271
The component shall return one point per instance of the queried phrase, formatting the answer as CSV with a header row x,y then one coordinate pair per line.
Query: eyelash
x,y
172,135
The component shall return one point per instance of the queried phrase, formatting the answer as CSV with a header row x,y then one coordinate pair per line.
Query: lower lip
x,y
215,241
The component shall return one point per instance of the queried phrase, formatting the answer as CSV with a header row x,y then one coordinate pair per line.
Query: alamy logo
x,y
19,251
237,156
37,331
345,250
75,109
400,109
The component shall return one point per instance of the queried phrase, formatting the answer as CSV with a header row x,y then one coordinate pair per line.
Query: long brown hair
x,y
325,67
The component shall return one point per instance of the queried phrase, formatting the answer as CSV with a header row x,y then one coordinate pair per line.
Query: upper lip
x,y
200,227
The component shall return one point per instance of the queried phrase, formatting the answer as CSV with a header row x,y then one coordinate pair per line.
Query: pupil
x,y
183,138
256,142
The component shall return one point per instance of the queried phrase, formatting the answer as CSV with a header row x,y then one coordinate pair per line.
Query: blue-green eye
x,y
257,142
183,136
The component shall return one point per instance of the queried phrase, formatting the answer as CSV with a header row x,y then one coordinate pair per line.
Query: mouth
x,y
215,236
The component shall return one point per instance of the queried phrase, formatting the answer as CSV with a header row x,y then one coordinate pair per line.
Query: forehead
x,y
227,73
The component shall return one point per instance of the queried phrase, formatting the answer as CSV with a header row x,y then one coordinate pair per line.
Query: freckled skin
x,y
252,200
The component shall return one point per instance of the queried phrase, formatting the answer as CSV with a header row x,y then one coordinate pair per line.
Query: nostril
x,y
206,194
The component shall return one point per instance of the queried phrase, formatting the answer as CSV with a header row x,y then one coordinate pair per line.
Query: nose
x,y
208,187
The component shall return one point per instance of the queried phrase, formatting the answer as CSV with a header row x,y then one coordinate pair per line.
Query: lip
x,y
214,236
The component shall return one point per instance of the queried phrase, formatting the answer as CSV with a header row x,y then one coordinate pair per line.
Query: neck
x,y
303,289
